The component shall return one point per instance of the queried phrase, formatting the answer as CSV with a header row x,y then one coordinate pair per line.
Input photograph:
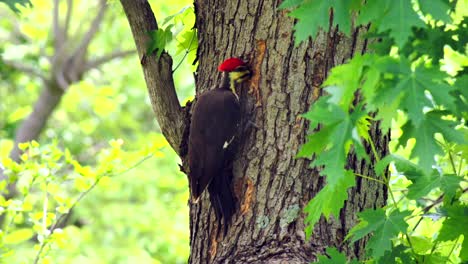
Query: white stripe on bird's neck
x,y
232,86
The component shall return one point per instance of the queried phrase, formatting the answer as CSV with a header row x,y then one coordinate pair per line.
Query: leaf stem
x,y
387,183
376,154
369,178
452,162
453,247
427,208
187,51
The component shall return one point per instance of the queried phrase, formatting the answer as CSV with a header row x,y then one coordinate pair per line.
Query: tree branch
x,y
66,26
106,58
157,72
57,35
28,69
93,28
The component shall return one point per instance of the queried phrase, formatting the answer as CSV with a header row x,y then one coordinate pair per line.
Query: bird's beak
x,y
240,74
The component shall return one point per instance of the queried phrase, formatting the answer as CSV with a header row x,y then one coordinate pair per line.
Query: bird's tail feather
x,y
222,199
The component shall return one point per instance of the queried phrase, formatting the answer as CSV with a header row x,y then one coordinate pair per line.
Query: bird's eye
x,y
241,69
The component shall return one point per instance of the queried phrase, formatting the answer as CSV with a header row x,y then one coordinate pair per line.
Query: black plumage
x,y
214,125
215,120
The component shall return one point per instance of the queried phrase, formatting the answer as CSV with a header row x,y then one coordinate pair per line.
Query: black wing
x,y
214,122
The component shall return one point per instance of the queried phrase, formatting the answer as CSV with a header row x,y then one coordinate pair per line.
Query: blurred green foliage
x,y
104,133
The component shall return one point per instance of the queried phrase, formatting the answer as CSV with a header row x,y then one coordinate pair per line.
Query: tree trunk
x,y
271,185
68,66
34,124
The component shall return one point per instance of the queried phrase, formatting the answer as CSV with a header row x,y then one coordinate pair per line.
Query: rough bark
x,y
271,185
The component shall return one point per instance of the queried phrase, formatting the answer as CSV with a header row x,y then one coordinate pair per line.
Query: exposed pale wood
x,y
271,185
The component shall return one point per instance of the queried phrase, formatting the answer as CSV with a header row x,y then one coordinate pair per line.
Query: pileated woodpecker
x,y
214,124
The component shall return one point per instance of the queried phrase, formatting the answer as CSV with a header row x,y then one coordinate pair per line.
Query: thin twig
x,y
106,58
26,69
93,28
55,25
80,197
187,51
426,209
452,161
66,26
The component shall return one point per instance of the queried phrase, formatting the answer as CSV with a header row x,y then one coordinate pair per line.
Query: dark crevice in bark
x,y
270,181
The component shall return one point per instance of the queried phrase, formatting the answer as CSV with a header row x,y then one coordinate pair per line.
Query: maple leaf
x,y
383,227
455,225
438,9
426,147
396,16
322,204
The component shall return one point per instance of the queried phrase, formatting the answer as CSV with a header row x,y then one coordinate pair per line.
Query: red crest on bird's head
x,y
230,64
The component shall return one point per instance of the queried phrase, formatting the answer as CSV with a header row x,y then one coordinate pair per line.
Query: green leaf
x,y
24,145
308,25
363,125
421,244
438,9
426,147
159,39
180,12
322,204
334,257
188,43
12,4
290,3
345,80
455,225
432,80
429,41
409,169
383,227
397,16
331,144
342,15
398,254
423,185
434,258
316,143
19,235
371,80
461,97
322,111
410,88
342,132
